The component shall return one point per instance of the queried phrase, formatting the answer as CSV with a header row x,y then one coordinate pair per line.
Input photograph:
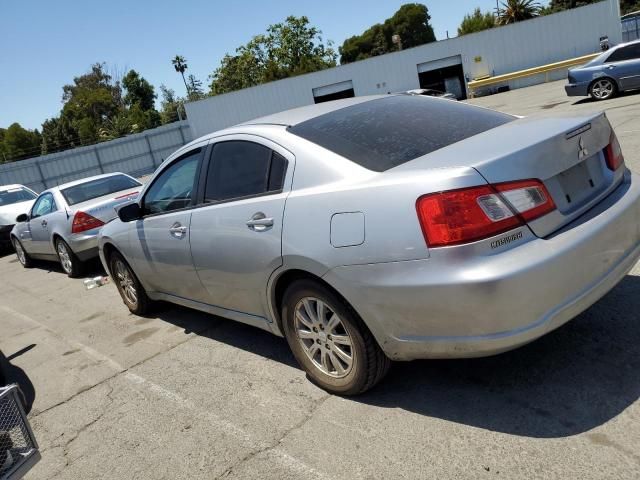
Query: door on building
x,y
335,91
445,74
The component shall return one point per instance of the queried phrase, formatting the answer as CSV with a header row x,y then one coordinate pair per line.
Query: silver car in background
x,y
64,221
384,228
616,70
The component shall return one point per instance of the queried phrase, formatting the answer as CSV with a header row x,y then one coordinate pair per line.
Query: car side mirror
x,y
23,217
130,212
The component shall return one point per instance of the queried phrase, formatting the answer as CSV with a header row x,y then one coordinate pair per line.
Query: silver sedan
x,y
384,228
64,221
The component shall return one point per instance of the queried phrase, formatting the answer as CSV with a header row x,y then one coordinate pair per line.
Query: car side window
x,y
241,169
626,53
174,188
43,206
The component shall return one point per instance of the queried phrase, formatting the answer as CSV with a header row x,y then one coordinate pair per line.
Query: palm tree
x,y
180,64
517,10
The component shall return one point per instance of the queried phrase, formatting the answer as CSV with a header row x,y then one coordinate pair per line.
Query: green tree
x,y
476,22
410,23
286,49
629,6
92,99
513,11
195,89
180,66
556,6
138,91
139,102
172,107
3,151
19,143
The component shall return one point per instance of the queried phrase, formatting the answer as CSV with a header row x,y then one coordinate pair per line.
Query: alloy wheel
x,y
22,257
126,283
323,337
65,257
602,89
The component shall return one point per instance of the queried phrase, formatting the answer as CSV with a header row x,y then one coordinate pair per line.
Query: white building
x,y
444,65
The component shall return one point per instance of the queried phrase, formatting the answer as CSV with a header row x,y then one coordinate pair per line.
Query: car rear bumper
x,y
577,89
84,245
490,304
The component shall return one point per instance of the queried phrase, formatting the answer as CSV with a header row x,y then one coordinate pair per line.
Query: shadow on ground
x,y
10,373
570,381
604,102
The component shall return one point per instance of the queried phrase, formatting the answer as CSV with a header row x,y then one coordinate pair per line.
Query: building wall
x,y
502,50
136,155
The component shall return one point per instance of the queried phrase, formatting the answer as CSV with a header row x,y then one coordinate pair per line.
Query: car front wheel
x,y
132,292
330,341
603,89
23,256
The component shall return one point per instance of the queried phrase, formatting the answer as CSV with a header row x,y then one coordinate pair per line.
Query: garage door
x,y
335,91
440,63
444,74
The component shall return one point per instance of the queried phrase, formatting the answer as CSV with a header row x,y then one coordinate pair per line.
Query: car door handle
x,y
178,230
259,222
611,67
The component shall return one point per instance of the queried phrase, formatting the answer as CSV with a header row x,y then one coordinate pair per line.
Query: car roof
x,y
4,188
84,180
286,118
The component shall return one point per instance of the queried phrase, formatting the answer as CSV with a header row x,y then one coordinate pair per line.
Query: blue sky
x,y
45,43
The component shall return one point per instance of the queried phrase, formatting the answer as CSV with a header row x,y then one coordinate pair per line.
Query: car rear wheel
x,y
132,292
603,89
330,341
24,259
71,264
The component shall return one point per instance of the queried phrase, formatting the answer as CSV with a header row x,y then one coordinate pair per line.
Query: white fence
x,y
137,155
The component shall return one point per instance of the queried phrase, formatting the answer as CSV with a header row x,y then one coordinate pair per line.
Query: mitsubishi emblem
x,y
582,151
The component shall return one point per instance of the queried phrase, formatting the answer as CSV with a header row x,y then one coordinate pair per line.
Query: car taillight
x,y
83,221
471,214
613,153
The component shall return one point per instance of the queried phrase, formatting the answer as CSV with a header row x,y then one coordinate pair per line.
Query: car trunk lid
x,y
566,153
104,208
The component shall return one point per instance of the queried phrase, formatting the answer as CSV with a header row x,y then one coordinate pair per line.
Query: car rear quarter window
x,y
98,188
241,169
387,132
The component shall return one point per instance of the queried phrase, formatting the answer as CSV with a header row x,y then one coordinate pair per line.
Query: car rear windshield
x,y
15,195
98,188
387,132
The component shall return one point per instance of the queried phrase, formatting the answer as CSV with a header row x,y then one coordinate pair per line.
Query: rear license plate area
x,y
579,185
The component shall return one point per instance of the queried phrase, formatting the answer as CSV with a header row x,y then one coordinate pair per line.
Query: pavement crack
x,y
271,446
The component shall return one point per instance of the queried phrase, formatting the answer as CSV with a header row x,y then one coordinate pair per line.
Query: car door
x,y
624,65
39,232
236,236
159,241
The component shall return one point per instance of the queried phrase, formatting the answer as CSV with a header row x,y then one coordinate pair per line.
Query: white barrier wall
x,y
137,155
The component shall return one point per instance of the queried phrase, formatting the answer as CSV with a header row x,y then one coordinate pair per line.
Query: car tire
x,y
131,290
23,257
603,89
69,261
330,341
